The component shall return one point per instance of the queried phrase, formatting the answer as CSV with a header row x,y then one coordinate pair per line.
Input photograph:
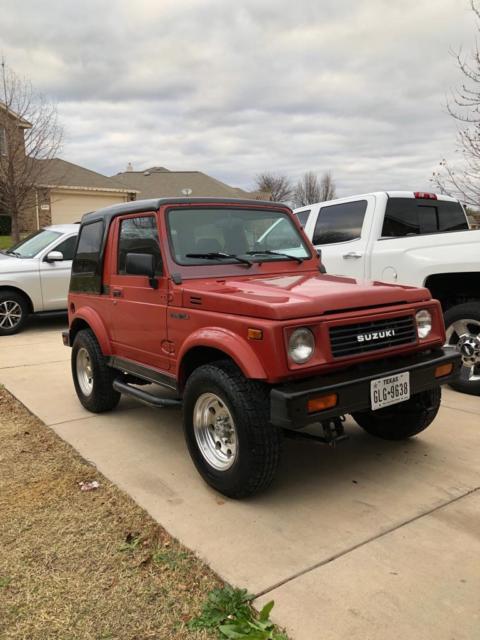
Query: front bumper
x,y
288,402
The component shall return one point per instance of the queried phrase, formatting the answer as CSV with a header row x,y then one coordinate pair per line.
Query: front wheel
x,y
462,325
92,377
226,422
403,420
13,312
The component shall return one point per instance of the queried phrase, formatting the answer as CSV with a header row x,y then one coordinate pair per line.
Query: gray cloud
x,y
357,87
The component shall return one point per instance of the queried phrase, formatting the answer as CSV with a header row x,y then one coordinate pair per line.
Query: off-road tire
x,y
259,443
461,312
19,299
403,420
103,396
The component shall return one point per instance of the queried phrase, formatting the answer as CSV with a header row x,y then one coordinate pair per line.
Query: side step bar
x,y
144,396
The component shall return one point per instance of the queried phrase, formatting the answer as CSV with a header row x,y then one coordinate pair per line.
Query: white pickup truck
x,y
422,239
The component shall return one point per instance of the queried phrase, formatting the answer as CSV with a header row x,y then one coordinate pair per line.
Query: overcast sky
x,y
236,87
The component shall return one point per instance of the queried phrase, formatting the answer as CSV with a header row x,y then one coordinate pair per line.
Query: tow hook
x,y
333,432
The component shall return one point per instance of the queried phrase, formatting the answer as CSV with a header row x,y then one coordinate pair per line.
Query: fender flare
x,y
231,344
93,320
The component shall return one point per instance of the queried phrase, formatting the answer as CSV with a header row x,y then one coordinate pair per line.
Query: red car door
x,y
138,311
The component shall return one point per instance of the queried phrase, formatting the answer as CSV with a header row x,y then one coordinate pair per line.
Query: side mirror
x,y
141,264
54,256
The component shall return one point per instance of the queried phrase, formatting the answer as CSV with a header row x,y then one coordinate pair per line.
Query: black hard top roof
x,y
140,206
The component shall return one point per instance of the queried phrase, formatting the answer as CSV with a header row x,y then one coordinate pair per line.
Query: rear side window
x,y
88,250
139,235
409,216
303,217
340,222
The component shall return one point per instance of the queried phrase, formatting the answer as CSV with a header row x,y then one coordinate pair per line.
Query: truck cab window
x,y
340,222
139,235
413,216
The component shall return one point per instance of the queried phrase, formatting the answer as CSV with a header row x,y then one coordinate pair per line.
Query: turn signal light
x,y
255,334
322,402
443,370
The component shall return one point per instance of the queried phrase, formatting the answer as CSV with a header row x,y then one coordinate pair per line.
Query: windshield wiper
x,y
12,253
275,253
219,255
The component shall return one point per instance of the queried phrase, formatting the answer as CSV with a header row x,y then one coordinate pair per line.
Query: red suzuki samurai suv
x,y
225,305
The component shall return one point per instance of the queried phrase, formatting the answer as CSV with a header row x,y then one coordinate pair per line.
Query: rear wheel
x,y
13,312
403,420
226,422
462,324
92,377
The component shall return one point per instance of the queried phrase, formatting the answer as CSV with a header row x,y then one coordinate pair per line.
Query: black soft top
x,y
107,214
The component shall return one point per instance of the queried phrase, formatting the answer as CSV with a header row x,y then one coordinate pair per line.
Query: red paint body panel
x,y
216,304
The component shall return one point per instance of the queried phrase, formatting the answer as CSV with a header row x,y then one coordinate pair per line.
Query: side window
x,y
88,251
340,222
139,235
303,216
67,247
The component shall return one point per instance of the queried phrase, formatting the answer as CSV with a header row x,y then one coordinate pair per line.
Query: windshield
x,y
36,242
228,234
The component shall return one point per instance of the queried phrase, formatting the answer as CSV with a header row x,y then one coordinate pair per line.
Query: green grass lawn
x,y
5,242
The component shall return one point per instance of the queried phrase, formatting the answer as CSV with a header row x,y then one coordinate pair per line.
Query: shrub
x,y
5,225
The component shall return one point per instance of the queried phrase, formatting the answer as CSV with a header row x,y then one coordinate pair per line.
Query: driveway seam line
x,y
473,413
39,364
340,554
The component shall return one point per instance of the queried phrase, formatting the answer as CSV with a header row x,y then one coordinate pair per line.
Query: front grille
x,y
378,334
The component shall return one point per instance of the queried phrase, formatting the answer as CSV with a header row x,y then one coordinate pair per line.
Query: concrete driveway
x,y
369,540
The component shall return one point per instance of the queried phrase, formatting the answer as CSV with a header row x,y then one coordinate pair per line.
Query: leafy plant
x,y
229,611
131,543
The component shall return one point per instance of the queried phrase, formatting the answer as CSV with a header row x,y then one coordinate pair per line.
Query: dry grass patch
x,y
83,565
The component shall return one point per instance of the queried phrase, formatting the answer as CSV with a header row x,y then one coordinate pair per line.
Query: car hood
x,y
289,296
11,264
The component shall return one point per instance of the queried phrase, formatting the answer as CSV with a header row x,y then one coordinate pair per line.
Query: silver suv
x,y
35,274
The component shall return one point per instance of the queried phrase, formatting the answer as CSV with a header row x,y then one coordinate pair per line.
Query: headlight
x,y
424,323
301,345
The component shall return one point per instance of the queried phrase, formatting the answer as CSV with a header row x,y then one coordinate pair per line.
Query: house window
x,y
3,141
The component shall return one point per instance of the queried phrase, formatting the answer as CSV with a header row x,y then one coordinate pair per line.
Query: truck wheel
x,y
226,422
13,312
92,377
462,324
403,420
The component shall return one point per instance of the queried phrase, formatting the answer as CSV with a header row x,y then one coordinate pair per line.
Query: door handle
x,y
116,293
352,255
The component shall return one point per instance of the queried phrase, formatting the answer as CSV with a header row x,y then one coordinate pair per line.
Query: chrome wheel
x,y
465,336
215,431
10,314
84,371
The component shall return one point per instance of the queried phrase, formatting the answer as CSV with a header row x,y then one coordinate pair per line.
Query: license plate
x,y
391,390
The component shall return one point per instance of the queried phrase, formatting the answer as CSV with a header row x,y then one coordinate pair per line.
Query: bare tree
x,y
327,187
277,188
462,178
30,136
307,191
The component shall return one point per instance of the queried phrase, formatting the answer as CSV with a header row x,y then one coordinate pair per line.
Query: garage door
x,y
69,207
